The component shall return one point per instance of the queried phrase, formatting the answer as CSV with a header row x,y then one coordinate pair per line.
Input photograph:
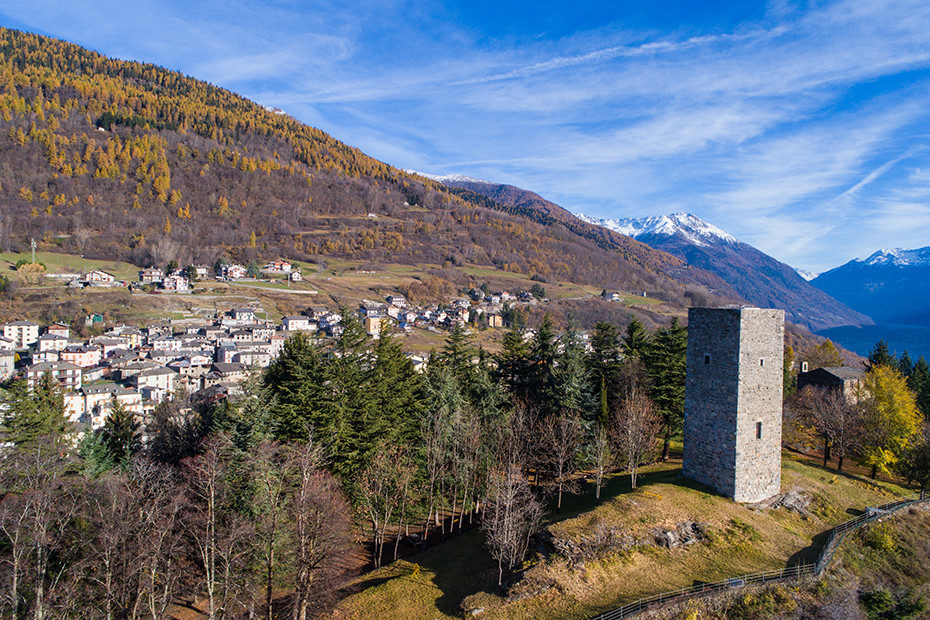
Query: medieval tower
x,y
733,401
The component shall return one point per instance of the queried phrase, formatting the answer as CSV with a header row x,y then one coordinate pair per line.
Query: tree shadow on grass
x,y
618,484
811,553
461,567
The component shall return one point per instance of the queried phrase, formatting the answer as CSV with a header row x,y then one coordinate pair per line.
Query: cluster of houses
x,y
141,367
235,271
179,280
396,311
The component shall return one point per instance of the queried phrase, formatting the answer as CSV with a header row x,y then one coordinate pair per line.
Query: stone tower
x,y
733,401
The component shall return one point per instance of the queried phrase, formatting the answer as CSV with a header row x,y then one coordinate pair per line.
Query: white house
x,y
23,333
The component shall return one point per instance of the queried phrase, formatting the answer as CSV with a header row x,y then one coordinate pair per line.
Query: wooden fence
x,y
834,538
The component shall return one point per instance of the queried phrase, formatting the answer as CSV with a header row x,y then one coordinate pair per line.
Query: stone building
x,y
841,379
733,401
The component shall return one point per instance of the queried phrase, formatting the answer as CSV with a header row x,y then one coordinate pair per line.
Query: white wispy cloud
x,y
782,130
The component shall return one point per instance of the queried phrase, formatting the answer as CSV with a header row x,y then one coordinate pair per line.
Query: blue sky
x,y
799,127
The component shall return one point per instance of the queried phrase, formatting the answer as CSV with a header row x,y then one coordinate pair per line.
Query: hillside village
x,y
141,367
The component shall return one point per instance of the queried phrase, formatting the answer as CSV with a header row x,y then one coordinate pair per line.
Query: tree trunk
x,y
826,451
839,466
874,471
666,446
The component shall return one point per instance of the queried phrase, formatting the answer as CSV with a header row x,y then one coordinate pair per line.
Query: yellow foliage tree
x,y
167,225
891,418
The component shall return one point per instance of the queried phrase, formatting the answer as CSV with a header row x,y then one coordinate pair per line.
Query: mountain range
x,y
126,160
752,274
892,286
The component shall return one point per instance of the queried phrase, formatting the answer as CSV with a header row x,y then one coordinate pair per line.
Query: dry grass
x,y
743,540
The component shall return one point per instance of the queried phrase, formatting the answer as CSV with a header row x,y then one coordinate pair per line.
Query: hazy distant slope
x,y
536,207
738,270
892,286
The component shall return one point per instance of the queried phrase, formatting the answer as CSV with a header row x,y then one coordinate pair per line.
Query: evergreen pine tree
x,y
666,363
120,434
34,414
352,412
458,353
513,365
604,366
572,381
636,340
397,394
919,383
542,395
880,356
296,398
905,365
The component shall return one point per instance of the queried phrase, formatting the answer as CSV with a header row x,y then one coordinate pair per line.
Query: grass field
x,y
460,575
67,263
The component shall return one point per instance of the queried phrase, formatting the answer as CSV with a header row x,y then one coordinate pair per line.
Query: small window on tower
x,y
758,430
707,358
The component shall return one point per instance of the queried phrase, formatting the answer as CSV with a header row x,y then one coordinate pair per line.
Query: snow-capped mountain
x,y
807,275
756,276
446,179
892,286
899,257
691,227
732,268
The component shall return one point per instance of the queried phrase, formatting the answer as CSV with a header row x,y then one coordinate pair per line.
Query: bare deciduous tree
x,y
635,426
511,516
321,523
600,457
220,535
383,486
833,417
560,439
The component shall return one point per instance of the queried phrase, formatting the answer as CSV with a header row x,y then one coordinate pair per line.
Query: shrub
x,y
880,537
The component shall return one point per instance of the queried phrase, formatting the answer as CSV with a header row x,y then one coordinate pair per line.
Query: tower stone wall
x,y
733,401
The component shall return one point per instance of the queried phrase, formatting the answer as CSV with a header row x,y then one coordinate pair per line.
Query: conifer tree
x,y
665,361
572,381
543,353
297,399
636,340
397,394
120,434
513,368
919,382
880,356
352,412
457,354
603,367
34,414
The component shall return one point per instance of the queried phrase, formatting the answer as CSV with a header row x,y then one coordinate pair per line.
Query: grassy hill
x,y
459,575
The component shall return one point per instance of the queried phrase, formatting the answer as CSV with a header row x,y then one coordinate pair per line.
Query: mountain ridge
x,y
757,276
744,270
129,161
893,285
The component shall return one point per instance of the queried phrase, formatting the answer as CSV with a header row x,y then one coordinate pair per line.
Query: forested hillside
x,y
124,160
